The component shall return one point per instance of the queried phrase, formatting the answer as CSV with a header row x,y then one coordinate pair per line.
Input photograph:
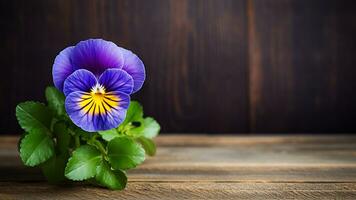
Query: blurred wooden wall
x,y
213,65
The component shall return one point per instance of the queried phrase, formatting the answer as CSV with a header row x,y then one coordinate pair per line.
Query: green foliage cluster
x,y
65,152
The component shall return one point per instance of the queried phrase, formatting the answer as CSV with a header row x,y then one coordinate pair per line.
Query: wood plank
x,y
245,158
186,190
212,66
301,57
204,167
267,139
219,173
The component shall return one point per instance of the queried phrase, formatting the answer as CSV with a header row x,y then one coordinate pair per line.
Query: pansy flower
x,y
97,78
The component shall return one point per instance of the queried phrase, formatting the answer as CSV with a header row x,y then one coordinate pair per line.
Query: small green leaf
x,y
134,113
109,134
33,116
55,100
113,179
148,128
151,127
53,169
124,153
82,165
148,145
36,148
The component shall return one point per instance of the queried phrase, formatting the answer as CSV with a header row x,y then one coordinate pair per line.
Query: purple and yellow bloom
x,y
97,78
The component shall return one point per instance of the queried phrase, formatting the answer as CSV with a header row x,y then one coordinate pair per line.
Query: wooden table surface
x,y
211,167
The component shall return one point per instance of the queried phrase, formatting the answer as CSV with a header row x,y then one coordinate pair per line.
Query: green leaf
x,y
109,134
113,179
33,116
134,113
82,165
63,137
53,169
148,128
55,100
148,145
151,127
124,153
36,148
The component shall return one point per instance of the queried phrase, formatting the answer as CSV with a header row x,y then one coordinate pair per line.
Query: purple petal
x,y
97,55
113,118
80,80
135,67
116,80
76,112
62,67
92,115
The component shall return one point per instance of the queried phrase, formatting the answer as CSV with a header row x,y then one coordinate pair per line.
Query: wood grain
x,y
187,190
301,57
212,66
211,167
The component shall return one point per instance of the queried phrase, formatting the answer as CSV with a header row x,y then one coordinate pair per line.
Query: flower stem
x,y
100,146
93,141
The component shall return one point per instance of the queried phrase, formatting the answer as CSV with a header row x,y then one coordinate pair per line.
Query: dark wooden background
x,y
213,65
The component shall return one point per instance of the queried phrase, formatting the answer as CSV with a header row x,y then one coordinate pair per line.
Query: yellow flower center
x,y
98,101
